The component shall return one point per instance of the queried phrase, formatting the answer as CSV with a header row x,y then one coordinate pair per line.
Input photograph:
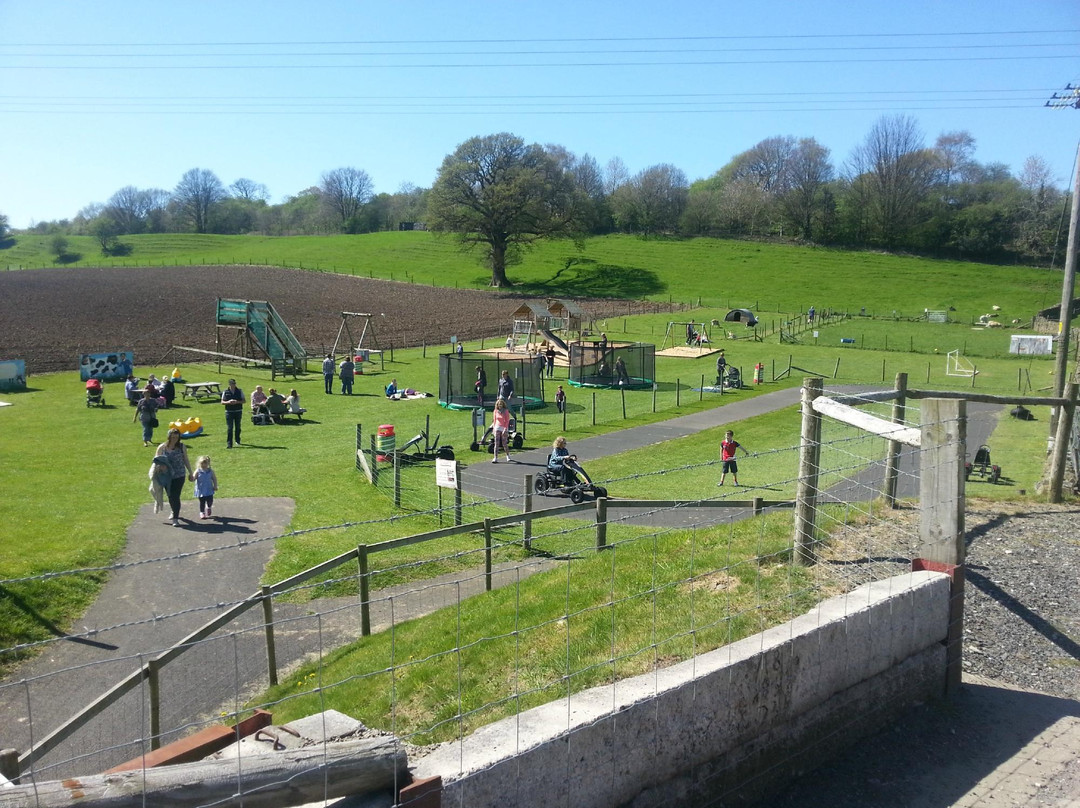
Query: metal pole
x,y
487,554
457,492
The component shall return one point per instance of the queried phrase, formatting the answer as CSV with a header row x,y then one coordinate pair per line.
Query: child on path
x,y
160,475
205,486
728,446
500,430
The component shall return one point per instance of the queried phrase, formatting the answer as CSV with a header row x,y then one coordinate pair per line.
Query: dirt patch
x,y
50,316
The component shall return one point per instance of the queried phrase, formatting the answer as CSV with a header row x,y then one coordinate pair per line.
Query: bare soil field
x,y
50,316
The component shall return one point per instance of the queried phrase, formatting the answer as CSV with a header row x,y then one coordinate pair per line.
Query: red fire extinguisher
x,y
759,373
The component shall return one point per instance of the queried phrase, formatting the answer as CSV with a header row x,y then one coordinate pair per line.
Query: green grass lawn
x,y
718,273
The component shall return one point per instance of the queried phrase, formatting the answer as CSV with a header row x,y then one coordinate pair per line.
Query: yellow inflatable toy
x,y
189,428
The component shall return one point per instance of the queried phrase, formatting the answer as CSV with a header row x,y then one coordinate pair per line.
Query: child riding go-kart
x,y
564,476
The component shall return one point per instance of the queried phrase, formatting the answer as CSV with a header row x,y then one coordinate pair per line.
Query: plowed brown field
x,y
50,316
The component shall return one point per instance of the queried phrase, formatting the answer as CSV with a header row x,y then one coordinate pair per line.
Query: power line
x,y
533,65
720,38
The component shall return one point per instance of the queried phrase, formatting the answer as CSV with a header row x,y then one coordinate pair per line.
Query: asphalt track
x,y
209,565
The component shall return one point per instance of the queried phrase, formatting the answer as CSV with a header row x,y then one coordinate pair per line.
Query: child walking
x,y
728,446
205,486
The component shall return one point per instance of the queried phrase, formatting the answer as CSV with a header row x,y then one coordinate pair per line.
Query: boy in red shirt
x,y
727,453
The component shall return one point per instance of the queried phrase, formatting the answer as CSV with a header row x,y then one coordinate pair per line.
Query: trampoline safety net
x,y
457,380
589,367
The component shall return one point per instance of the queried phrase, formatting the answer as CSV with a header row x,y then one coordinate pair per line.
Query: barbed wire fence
x,y
670,582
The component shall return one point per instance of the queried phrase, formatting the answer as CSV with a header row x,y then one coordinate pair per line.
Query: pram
x,y
733,379
94,394
571,480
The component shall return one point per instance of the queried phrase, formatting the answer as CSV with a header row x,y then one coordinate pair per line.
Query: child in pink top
x,y
500,424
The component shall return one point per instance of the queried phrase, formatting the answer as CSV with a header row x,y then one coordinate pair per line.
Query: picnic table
x,y
201,390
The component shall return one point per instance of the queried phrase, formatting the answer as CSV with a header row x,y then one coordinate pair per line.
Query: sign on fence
x,y
445,473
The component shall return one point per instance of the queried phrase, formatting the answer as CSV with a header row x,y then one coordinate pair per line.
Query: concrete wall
x,y
731,725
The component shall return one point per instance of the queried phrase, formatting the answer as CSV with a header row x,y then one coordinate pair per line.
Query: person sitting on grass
x,y
391,388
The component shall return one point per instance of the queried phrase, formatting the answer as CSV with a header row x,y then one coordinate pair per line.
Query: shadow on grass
x,y
584,277
21,605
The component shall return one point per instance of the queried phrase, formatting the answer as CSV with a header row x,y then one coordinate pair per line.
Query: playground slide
x,y
558,343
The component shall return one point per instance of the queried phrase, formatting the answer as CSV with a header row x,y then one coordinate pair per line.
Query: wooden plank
x,y
696,503
866,398
986,398
295,777
909,436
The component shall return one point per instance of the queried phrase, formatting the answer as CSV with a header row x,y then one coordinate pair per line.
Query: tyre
x,y
995,473
518,441
491,448
474,446
577,496
600,491
541,484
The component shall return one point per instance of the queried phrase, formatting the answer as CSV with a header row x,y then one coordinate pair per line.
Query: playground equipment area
x,y
591,366
457,380
253,331
356,347
694,337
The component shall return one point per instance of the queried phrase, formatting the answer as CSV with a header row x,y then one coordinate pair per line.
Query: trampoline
x,y
589,367
457,380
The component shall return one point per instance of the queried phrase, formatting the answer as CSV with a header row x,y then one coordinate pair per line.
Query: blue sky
x,y
98,95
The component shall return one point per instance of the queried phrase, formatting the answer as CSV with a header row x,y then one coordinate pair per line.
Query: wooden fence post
x,y
892,458
487,553
526,524
397,479
365,590
809,468
374,462
601,523
9,764
457,492
268,629
153,675
1062,437
941,528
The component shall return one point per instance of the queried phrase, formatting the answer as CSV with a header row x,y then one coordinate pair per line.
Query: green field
x,y
718,273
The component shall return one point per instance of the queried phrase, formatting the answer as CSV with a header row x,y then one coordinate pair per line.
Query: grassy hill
x,y
719,273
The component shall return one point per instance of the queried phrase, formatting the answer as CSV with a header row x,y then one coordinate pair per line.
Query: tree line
x,y
893,192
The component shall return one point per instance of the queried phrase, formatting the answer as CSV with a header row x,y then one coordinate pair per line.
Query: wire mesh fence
x,y
429,641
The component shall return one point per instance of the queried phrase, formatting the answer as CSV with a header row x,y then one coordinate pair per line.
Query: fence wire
x,y
447,654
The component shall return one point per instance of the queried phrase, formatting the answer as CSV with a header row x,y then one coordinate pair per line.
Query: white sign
x,y
446,473
1033,344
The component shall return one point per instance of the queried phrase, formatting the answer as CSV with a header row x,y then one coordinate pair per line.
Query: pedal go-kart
x,y
982,467
577,485
514,439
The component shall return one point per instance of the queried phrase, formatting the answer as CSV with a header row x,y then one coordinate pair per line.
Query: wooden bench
x,y
201,390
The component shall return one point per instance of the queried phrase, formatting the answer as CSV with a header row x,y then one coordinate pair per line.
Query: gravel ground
x,y
1021,630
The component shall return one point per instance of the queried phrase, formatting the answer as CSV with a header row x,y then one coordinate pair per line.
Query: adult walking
x,y
328,374
175,454
481,383
346,372
146,410
550,360
233,399
506,387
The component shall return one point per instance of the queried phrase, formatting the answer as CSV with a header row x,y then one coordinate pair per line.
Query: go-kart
x,y
430,451
982,467
571,481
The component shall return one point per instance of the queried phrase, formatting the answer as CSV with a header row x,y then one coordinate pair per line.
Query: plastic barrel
x,y
384,442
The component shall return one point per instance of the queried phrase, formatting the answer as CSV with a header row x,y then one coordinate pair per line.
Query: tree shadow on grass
x,y
584,277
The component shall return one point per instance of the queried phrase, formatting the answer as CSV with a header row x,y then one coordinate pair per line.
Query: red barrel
x,y
385,442
759,373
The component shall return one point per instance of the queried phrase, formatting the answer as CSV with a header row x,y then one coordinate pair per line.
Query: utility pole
x,y
1071,99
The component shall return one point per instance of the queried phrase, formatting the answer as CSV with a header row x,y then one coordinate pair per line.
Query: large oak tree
x,y
498,193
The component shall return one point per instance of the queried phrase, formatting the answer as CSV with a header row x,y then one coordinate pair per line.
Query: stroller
x,y
94,393
570,480
733,379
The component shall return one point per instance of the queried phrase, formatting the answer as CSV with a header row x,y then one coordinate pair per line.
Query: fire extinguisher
x,y
759,373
